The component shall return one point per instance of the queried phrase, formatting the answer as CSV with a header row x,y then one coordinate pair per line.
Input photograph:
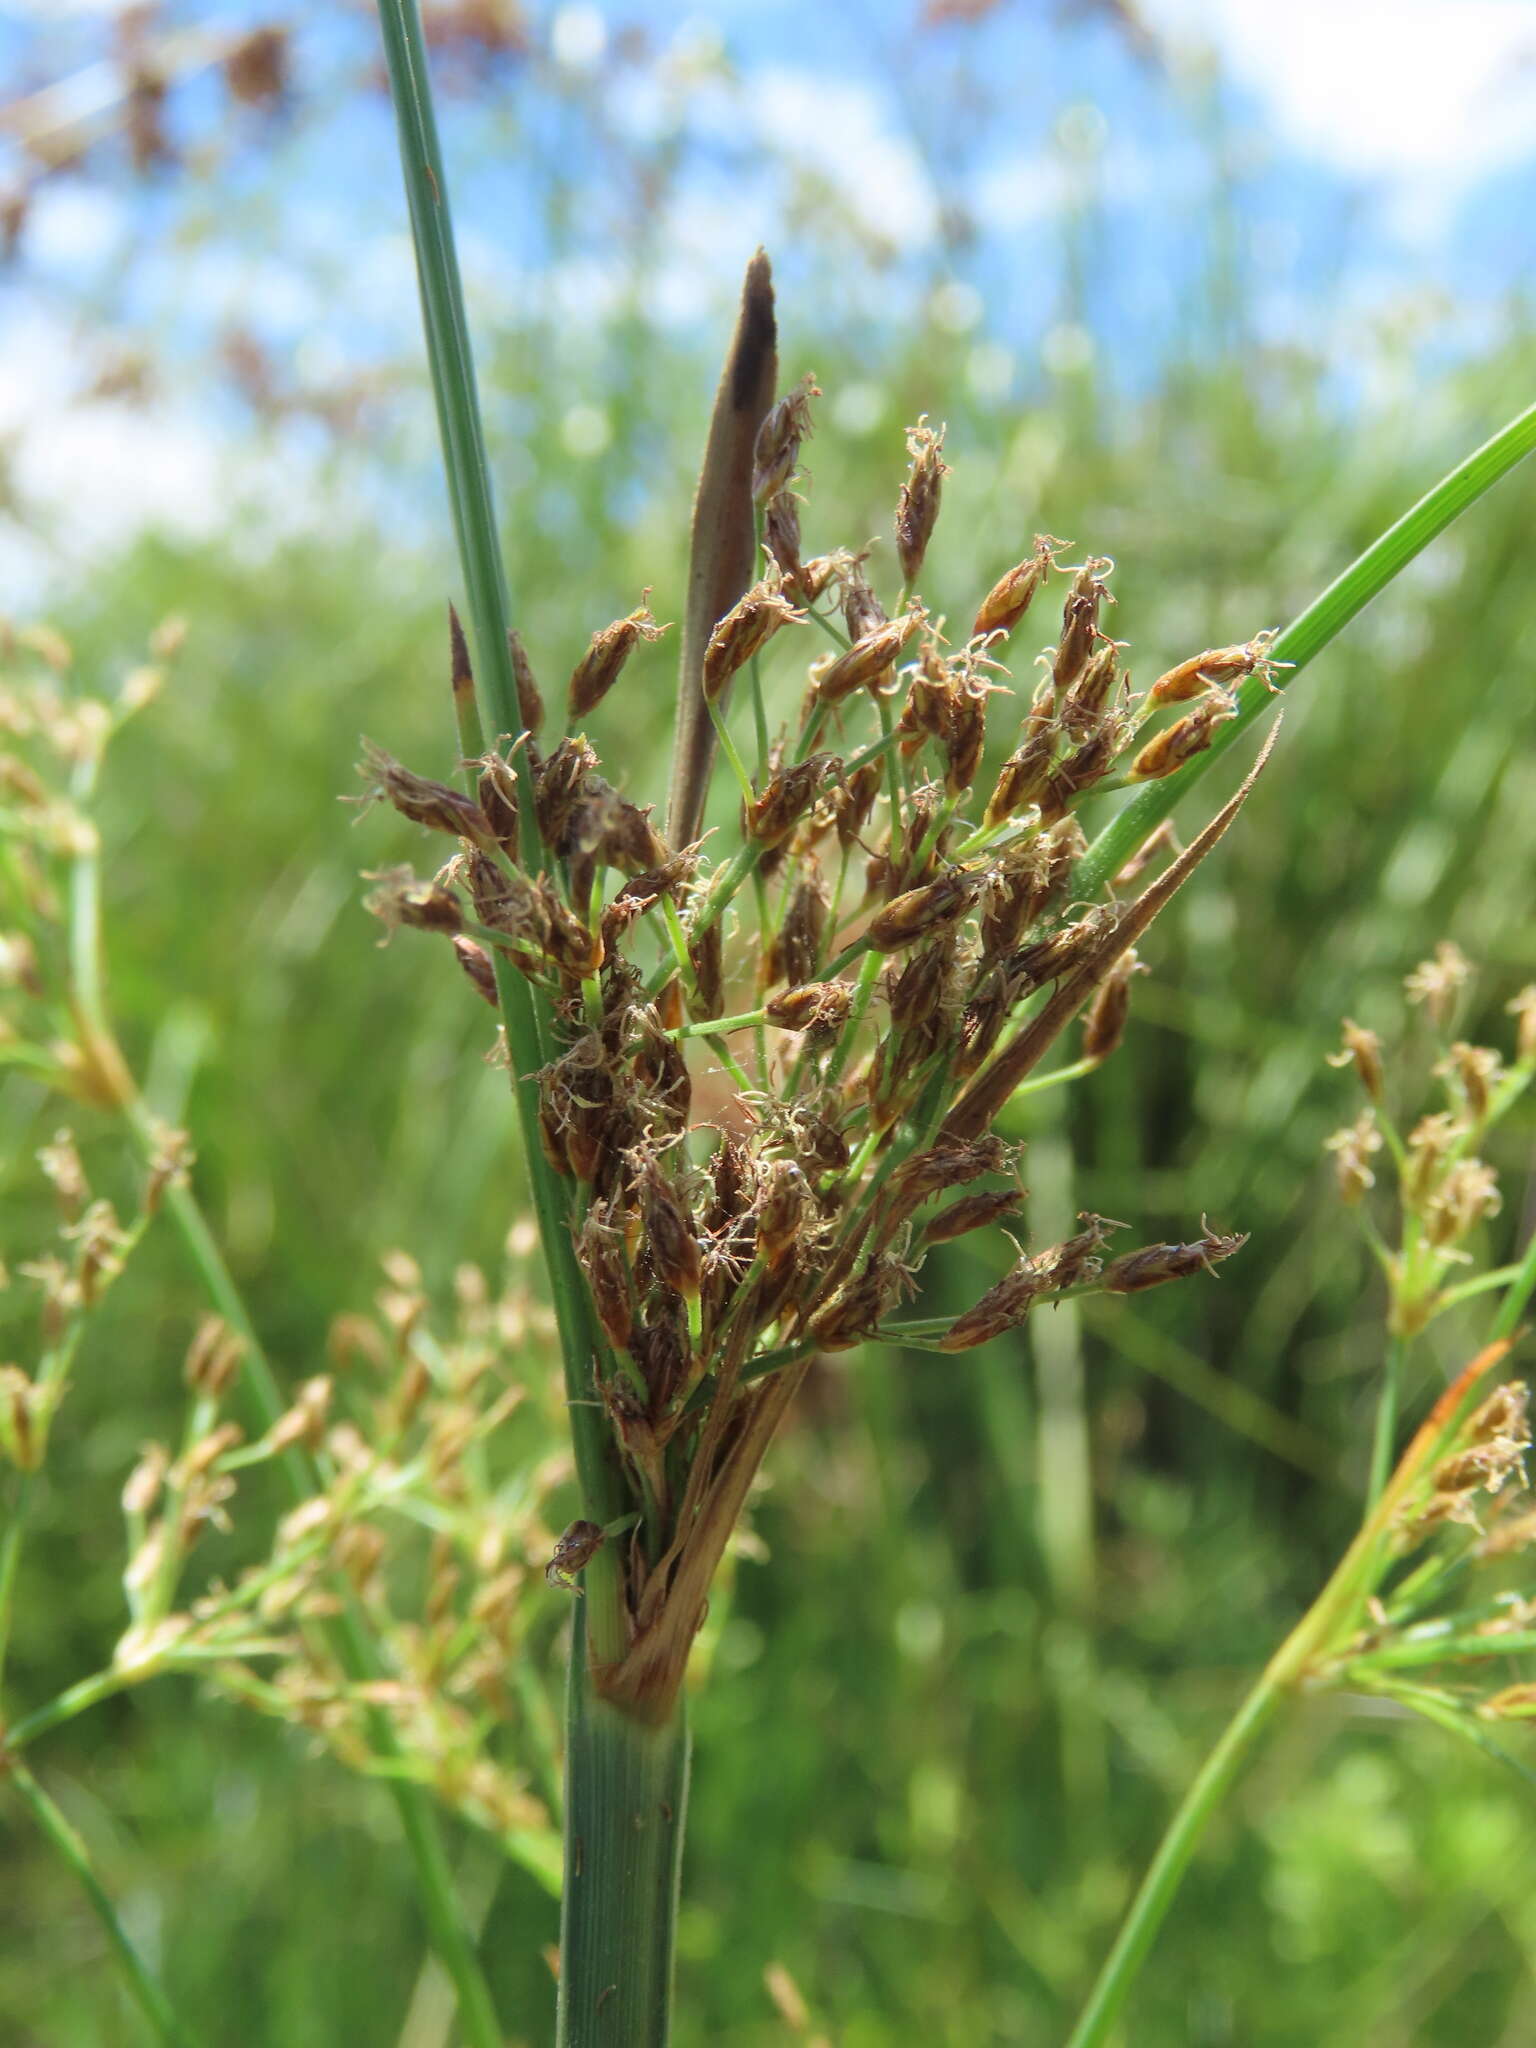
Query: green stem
x,y
454,388
10,1556
1307,635
1388,1401
1521,1288
626,1791
1173,1857
142,1984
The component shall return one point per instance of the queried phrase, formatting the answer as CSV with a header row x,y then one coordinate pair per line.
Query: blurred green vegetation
x,y
1010,1597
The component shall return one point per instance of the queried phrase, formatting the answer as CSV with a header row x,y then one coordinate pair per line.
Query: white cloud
x,y
95,473
842,130
1406,89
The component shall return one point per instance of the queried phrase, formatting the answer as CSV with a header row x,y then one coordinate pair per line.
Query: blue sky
x,y
1370,166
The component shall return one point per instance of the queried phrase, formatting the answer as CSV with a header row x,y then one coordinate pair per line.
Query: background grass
x,y
1009,1597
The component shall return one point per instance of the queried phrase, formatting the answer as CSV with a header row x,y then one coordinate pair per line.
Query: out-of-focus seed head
x,y
1155,1264
1352,1149
1436,983
461,674
146,1481
1429,1143
1184,739
304,1422
213,1357
1013,593
1523,1009
776,457
598,670
62,1166
1505,1413
1217,667
1476,1071
1362,1051
917,509
1467,1195
747,627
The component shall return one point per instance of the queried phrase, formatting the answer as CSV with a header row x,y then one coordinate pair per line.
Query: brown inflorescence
x,y
774,1101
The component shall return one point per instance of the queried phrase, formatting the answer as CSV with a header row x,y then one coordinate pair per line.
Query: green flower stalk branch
x,y
1437,1592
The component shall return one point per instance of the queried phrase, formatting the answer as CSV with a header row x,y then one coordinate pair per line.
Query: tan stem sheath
x,y
722,558
647,1680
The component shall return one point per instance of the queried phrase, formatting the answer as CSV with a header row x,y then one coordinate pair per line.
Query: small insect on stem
x,y
576,1548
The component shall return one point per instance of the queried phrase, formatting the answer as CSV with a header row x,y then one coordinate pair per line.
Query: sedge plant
x,y
758,1034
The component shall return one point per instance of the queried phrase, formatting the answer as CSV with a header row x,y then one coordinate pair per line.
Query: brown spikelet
x,y
991,1088
917,510
598,670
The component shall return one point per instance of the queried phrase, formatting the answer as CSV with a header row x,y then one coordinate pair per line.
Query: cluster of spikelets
x,y
403,1494
1434,1600
1439,1603
423,1521
1445,1189
874,951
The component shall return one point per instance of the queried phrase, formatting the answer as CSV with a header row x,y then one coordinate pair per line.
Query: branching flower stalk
x,y
716,1210
1437,1592
58,1029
